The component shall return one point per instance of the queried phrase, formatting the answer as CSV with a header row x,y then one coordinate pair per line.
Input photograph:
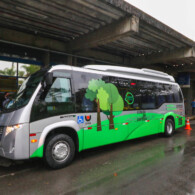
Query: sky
x,y
178,14
4,64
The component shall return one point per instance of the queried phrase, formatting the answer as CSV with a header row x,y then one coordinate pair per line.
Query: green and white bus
x,y
64,109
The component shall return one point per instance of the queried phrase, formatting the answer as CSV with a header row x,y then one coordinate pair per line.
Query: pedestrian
x,y
193,107
2,100
7,99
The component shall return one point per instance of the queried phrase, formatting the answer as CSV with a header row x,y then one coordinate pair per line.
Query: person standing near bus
x,y
6,100
193,107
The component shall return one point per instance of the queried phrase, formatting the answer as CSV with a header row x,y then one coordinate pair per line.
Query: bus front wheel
x,y
169,127
59,151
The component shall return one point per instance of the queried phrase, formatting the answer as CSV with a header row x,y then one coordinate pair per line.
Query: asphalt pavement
x,y
150,165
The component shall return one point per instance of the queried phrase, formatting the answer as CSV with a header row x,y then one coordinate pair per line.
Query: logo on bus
x,y
88,117
129,98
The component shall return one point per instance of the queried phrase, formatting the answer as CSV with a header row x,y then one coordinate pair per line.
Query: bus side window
x,y
135,90
161,100
56,101
148,97
82,82
148,101
128,89
60,91
169,92
160,94
177,94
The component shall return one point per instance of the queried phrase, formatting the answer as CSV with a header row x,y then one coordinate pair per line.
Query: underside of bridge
x,y
79,32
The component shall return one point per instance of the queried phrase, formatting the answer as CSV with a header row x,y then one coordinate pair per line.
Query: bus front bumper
x,y
15,145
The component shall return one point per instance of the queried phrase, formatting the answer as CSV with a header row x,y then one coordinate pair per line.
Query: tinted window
x,y
176,94
169,94
59,92
129,91
148,95
26,91
160,94
86,90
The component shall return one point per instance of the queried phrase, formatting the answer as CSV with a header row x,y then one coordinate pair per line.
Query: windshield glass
x,y
25,91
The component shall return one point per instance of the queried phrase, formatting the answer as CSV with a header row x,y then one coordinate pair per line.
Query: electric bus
x,y
63,109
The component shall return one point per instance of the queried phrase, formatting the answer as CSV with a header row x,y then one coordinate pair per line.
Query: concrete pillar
x,y
46,59
189,100
189,96
72,61
69,60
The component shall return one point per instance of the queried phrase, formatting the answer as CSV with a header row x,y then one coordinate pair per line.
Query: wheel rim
x,y
60,151
169,128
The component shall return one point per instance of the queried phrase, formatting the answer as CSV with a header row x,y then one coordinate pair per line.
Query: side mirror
x,y
49,79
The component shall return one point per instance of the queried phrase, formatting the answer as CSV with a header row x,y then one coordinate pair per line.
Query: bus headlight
x,y
9,129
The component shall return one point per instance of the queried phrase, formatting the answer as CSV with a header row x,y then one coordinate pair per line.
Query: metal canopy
x,y
109,30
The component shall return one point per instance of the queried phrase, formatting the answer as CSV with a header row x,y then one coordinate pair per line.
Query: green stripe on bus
x,y
171,108
171,105
38,152
141,125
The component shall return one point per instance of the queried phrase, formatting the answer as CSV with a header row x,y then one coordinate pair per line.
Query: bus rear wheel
x,y
59,151
169,127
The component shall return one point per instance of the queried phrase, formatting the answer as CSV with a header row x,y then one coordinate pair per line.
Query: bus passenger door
x,y
135,125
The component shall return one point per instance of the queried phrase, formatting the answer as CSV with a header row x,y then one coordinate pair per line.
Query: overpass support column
x,y
69,60
72,61
46,59
189,100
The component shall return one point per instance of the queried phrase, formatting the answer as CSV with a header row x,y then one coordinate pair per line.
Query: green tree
x,y
30,69
21,73
8,71
111,103
91,94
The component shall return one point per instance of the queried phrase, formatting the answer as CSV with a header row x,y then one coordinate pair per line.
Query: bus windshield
x,y
25,91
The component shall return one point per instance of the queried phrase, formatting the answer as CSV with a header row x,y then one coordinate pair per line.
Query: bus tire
x,y
59,151
169,127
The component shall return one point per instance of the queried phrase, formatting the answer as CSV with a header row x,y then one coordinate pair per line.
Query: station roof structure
x,y
111,31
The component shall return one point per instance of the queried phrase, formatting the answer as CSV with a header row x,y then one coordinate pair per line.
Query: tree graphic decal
x,y
108,99
91,94
111,103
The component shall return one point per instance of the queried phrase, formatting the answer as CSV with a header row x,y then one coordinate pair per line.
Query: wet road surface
x,y
151,165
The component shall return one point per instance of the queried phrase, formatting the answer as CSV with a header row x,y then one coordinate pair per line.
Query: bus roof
x,y
135,73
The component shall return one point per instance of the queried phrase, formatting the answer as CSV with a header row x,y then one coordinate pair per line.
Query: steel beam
x,y
107,34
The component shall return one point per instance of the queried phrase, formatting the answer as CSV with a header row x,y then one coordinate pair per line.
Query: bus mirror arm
x,y
49,79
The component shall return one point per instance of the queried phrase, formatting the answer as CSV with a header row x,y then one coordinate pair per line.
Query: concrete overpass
x,y
79,32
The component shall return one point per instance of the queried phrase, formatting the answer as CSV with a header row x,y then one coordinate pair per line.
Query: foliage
x,y
21,73
103,97
94,85
8,71
110,99
91,94
30,69
107,97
